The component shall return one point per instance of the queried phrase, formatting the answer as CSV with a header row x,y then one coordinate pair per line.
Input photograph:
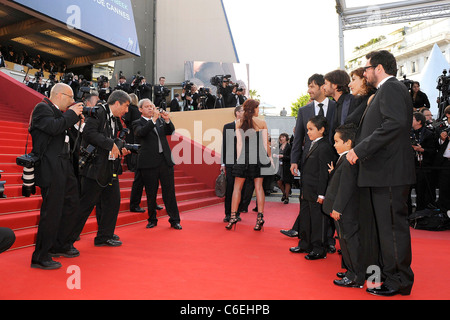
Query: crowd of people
x,y
353,148
359,189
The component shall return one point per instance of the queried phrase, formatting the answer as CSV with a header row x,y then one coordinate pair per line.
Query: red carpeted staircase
x,y
22,214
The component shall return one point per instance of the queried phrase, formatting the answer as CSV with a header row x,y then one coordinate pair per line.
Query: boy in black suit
x,y
342,202
313,224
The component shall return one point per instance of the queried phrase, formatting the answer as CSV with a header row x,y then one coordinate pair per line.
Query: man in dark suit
x,y
142,89
425,146
320,105
336,86
100,176
155,161
386,168
54,175
123,85
159,93
175,103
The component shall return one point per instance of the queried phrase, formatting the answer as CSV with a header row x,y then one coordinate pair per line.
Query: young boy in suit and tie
x,y
313,224
342,202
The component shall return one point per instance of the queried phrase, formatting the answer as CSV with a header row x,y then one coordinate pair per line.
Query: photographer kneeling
x,y
101,167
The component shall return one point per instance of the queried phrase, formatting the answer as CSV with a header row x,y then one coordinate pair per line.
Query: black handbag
x,y
221,185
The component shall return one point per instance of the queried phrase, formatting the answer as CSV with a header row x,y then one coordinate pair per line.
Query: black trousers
x,y
391,216
59,210
444,185
109,199
314,227
136,189
347,228
7,239
164,175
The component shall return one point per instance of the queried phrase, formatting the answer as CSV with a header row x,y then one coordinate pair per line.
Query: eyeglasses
x,y
67,95
368,67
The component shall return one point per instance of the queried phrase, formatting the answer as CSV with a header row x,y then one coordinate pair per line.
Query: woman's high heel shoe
x,y
233,221
259,222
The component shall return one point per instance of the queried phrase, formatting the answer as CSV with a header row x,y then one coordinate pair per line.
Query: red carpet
x,y
206,262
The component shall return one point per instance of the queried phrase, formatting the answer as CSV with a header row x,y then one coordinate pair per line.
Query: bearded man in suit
x,y
386,168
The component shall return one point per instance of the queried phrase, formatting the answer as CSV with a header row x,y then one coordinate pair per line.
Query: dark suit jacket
x,y
302,141
148,153
342,194
314,179
48,132
97,132
230,128
439,160
383,143
174,106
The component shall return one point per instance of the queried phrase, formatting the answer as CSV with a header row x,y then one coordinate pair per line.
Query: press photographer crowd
x,y
364,144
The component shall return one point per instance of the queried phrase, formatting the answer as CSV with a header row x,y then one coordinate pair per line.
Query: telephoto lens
x,y
28,186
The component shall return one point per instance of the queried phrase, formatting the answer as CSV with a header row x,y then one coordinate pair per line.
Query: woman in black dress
x,y
253,159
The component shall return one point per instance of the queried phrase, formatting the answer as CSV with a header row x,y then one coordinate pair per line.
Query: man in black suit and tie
x,y
54,174
159,93
155,161
443,162
100,176
386,168
320,105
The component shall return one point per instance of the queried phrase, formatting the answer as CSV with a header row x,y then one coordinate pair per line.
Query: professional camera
x,y
68,77
187,85
86,155
121,143
138,79
444,97
90,111
28,186
219,79
441,126
408,83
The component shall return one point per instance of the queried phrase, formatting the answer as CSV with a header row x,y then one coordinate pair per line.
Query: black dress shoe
x,y
331,249
71,253
137,209
159,207
226,219
46,265
387,291
176,226
108,243
340,274
297,250
151,225
116,237
314,256
290,233
346,282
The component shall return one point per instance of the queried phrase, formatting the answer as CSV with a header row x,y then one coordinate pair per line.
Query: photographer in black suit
x,y
141,88
386,168
155,161
160,92
54,174
425,147
99,176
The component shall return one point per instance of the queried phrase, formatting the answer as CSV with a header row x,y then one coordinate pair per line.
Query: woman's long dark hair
x,y
249,111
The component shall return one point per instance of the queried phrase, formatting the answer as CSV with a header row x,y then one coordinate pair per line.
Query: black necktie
x,y
321,113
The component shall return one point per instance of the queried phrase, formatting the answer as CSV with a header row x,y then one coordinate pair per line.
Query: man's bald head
x,y
62,96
